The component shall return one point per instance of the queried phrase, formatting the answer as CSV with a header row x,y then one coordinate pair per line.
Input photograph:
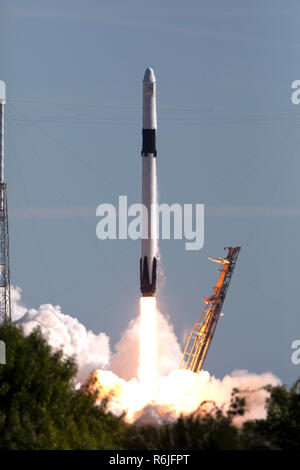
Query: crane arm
x,y
202,333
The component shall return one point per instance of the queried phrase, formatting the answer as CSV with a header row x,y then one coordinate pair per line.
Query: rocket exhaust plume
x,y
177,392
149,187
147,371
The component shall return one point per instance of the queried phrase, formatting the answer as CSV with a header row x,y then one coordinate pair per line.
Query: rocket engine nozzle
x,y
148,287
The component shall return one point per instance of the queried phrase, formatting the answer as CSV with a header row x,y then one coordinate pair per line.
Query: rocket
x,y
148,260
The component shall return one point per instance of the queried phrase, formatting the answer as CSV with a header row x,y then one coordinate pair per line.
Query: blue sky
x,y
228,137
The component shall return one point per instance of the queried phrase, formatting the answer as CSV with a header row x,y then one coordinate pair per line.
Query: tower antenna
x,y
5,299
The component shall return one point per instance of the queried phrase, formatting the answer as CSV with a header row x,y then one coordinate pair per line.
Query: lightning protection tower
x,y
5,303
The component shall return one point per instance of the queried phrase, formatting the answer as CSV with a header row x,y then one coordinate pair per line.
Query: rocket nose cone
x,y
149,75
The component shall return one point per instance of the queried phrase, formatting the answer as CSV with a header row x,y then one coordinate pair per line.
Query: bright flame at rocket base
x,y
147,369
135,394
178,392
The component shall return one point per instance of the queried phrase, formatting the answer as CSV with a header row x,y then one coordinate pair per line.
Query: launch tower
x,y
202,333
5,302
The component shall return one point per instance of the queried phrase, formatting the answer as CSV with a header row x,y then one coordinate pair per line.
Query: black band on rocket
x,y
149,141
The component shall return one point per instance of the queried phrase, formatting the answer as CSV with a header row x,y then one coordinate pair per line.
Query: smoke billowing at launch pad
x,y
116,370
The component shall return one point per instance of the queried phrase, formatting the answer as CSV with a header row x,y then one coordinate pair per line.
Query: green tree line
x,y
40,408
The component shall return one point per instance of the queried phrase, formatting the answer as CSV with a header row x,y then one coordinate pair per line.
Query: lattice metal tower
x,y
5,302
203,331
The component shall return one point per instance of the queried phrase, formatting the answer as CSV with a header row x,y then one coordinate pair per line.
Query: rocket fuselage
x,y
148,260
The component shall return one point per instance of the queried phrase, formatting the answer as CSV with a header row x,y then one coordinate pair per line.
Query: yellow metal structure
x,y
202,333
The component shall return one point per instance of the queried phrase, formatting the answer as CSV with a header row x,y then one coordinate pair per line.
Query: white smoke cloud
x,y
124,362
17,309
64,332
178,391
169,350
182,392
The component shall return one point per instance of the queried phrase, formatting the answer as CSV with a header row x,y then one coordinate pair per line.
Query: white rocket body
x,y
149,187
